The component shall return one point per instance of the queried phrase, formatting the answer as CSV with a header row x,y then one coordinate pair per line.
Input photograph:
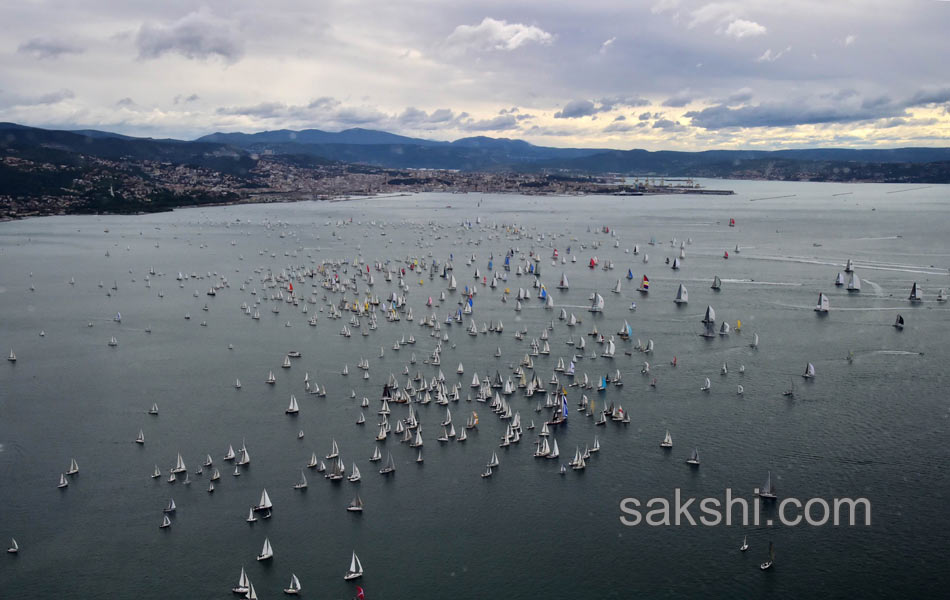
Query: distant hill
x,y
35,144
236,153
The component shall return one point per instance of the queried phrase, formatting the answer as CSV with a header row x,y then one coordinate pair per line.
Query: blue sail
x,y
470,302
629,274
629,330
544,293
507,260
564,406
489,265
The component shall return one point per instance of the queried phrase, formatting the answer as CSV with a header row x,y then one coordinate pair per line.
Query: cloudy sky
x,y
655,74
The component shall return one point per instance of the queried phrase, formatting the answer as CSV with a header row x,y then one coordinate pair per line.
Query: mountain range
x,y
236,152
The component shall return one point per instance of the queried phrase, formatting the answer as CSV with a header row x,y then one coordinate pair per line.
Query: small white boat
x,y
14,547
140,438
667,440
294,587
356,568
356,505
166,522
243,584
768,564
693,459
267,552
745,544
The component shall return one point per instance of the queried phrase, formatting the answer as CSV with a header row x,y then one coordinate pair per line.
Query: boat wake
x,y
877,266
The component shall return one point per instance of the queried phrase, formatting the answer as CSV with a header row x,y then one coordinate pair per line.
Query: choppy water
x,y
876,427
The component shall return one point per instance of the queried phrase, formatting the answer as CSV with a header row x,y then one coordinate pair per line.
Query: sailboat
x,y
682,297
667,440
716,284
170,507
356,568
166,522
706,385
809,371
154,409
493,463
179,465
12,357
267,552
693,459
767,490
242,584
389,467
854,283
251,517
356,505
14,547
768,564
140,438
899,322
302,482
823,304
265,503
916,295
745,544
839,279
354,475
63,482
293,408
294,587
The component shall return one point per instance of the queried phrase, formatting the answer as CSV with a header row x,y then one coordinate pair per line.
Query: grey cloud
x,y
125,103
197,35
415,118
186,99
576,109
843,106
264,110
499,123
48,48
46,99
668,125
609,102
644,116
620,118
679,100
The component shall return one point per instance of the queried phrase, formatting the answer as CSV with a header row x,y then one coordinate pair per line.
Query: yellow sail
x,y
738,324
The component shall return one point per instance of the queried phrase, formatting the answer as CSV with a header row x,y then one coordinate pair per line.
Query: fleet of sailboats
x,y
499,393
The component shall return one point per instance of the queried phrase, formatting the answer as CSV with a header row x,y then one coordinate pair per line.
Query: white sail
x,y
356,568
682,296
265,502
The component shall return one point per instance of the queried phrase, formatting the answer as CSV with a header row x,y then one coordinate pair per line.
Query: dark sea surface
x,y
876,427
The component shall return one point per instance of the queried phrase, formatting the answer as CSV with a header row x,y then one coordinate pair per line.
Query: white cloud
x,y
769,56
849,39
607,44
492,34
741,28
